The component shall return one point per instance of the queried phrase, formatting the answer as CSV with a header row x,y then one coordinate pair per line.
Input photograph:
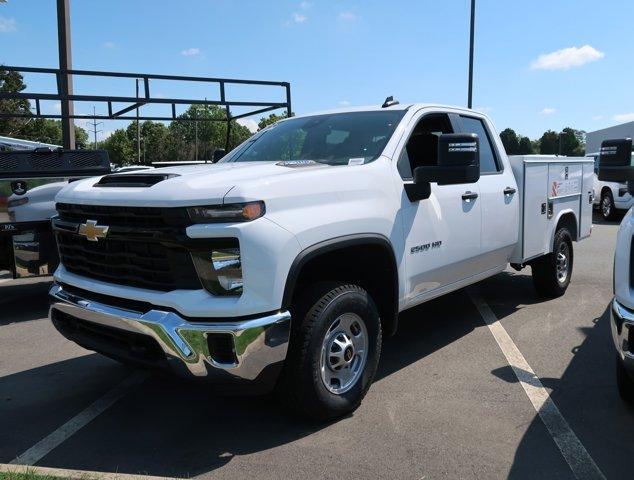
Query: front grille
x,y
134,263
144,246
138,217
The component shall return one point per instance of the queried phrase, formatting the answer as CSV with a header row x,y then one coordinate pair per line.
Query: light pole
x,y
470,99
138,126
65,79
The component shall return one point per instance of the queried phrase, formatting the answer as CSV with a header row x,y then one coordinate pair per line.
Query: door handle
x,y
509,191
468,196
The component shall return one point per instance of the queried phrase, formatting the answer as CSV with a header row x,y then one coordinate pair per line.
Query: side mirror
x,y
218,154
458,161
615,161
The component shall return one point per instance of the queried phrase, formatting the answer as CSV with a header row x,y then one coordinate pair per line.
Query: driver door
x,y
442,233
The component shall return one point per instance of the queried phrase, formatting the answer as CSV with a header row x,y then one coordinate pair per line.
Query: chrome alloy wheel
x,y
344,352
563,262
606,206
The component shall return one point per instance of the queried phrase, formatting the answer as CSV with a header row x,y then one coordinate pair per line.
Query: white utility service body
x,y
550,187
380,207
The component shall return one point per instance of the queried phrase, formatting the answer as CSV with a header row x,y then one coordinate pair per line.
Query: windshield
x,y
335,139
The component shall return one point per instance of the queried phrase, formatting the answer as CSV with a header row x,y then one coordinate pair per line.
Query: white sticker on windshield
x,y
356,161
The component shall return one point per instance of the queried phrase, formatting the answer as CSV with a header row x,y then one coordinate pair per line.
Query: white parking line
x,y
573,451
48,443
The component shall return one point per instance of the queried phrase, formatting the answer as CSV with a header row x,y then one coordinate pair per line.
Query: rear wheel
x,y
552,272
624,382
334,351
608,210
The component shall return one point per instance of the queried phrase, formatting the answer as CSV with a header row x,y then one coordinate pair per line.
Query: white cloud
x,y
567,58
299,17
190,52
348,17
547,111
305,5
344,103
109,44
8,25
251,124
57,106
624,117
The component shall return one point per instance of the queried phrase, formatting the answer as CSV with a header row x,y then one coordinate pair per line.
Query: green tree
x,y
13,82
549,143
120,149
47,130
573,142
154,142
525,146
271,119
211,134
510,141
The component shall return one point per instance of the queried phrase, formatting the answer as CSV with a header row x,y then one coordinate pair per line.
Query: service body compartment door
x,y
535,239
586,201
564,193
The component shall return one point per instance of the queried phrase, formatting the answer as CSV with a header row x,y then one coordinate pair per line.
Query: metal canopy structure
x,y
145,97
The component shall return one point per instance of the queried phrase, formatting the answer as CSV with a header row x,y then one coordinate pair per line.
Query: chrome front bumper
x,y
256,343
622,321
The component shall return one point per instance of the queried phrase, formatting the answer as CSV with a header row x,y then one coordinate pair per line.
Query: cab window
x,y
422,147
488,159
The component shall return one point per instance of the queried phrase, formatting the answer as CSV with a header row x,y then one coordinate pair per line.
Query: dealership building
x,y
594,139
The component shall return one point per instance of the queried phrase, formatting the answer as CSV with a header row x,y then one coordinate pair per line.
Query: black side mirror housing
x,y
615,161
218,154
458,162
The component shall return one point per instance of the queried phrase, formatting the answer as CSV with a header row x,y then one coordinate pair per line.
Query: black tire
x,y
547,270
607,207
318,307
624,382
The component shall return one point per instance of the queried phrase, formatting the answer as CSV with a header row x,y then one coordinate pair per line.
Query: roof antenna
x,y
389,101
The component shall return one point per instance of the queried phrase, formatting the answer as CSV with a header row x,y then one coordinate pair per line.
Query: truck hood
x,y
206,184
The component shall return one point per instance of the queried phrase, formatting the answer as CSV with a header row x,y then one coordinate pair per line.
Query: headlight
x,y
233,212
220,269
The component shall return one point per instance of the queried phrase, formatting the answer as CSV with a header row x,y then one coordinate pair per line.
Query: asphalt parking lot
x,y
446,403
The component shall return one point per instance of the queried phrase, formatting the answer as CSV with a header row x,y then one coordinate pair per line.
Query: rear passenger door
x,y
499,196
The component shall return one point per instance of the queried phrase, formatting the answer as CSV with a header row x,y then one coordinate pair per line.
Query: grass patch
x,y
28,475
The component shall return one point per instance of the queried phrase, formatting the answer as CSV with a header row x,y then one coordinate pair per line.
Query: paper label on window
x,y
356,161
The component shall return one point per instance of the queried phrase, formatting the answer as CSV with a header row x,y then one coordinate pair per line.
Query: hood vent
x,y
133,180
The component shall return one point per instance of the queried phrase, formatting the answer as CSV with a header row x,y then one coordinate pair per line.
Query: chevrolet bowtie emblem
x,y
92,231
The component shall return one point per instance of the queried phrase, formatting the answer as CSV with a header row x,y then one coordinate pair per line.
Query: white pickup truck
x,y
287,263
617,165
610,197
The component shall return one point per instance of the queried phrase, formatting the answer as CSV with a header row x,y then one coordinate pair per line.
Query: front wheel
x,y
334,350
552,272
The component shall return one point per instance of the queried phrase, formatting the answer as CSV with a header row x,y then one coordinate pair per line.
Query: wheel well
x,y
369,264
569,221
605,189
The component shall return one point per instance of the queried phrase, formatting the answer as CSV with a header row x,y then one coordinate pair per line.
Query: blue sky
x,y
539,64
